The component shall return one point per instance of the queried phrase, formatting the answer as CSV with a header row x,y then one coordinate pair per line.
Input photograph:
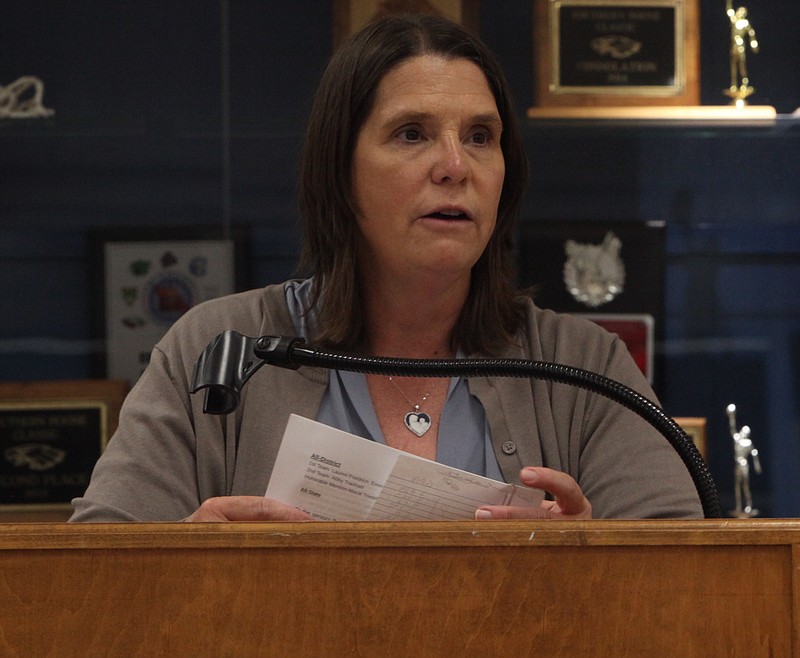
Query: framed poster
x,y
590,53
149,277
349,16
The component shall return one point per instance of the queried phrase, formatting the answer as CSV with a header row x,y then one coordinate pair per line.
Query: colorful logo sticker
x,y
129,295
140,267
168,297
198,266
133,321
168,259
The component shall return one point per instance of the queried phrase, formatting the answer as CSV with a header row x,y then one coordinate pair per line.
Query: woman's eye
x,y
480,137
410,134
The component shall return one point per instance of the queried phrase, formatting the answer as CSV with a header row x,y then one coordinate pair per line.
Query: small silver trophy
x,y
742,36
743,451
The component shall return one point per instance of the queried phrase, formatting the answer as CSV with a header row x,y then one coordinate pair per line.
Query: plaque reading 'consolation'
x,y
616,52
609,47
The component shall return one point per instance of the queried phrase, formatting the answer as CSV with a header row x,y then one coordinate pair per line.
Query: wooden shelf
x,y
763,115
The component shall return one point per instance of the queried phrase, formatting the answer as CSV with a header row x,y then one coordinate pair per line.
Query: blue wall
x,y
136,141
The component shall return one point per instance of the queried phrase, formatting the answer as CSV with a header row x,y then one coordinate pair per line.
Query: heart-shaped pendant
x,y
418,422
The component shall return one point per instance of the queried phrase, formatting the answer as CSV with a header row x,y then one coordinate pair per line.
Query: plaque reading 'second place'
x,y
616,52
51,434
46,458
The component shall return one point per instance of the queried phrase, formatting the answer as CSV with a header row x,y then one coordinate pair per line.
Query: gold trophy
x,y
743,36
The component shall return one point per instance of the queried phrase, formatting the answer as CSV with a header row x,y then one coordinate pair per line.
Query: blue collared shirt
x,y
464,441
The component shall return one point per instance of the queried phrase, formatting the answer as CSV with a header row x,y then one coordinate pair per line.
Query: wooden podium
x,y
489,589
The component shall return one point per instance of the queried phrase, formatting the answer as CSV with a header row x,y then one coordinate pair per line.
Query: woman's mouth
x,y
448,215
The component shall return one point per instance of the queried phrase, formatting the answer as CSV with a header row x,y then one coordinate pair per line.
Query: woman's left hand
x,y
569,503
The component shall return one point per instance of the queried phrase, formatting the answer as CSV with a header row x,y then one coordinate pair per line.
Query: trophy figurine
x,y
742,36
743,449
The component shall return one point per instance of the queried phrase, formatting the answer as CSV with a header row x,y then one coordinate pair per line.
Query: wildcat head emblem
x,y
594,274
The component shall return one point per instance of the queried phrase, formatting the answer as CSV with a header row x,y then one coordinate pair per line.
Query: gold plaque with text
x,y
596,53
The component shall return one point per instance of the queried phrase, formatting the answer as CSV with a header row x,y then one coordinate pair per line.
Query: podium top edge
x,y
49,536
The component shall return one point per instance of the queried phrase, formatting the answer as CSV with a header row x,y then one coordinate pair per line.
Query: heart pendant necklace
x,y
416,421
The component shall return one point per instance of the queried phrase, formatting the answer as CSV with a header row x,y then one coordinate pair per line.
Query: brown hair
x,y
343,101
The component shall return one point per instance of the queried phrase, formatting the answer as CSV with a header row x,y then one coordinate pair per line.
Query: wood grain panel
x,y
411,589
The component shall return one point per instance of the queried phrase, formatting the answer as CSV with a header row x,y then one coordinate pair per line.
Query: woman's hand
x,y
569,503
246,508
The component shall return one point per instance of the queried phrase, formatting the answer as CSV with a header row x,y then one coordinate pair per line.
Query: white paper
x,y
337,476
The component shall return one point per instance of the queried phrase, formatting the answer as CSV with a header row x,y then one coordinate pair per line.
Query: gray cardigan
x,y
167,456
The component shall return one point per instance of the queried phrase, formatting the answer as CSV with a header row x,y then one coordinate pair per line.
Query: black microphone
x,y
228,362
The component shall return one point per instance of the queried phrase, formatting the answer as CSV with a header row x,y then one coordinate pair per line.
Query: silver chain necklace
x,y
416,421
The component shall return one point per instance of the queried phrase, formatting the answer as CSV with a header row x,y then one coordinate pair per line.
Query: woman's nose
x,y
451,165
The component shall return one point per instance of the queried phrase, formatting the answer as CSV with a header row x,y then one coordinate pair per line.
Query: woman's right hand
x,y
246,508
569,503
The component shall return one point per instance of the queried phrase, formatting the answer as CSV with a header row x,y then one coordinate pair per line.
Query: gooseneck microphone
x,y
230,359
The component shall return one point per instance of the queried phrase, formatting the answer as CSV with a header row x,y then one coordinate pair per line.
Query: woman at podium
x,y
412,177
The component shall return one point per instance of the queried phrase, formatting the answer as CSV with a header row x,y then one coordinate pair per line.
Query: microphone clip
x,y
228,362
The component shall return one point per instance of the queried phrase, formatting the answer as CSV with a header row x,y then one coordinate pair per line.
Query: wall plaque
x,y
349,16
51,434
616,53
695,427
